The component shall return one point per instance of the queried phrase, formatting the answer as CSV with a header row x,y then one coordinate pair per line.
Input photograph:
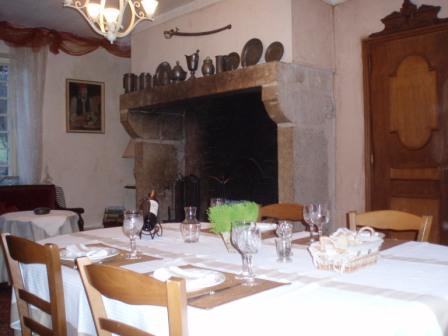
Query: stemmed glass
x,y
309,215
132,225
316,215
246,238
322,217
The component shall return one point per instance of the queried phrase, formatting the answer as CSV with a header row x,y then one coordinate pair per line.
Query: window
x,y
5,148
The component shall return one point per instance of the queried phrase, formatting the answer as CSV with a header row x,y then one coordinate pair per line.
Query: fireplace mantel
x,y
262,76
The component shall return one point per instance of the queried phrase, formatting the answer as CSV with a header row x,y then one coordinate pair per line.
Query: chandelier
x,y
108,21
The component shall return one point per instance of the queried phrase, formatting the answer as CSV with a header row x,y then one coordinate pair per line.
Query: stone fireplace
x,y
281,114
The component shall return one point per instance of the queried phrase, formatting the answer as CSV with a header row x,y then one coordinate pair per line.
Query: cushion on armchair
x,y
4,208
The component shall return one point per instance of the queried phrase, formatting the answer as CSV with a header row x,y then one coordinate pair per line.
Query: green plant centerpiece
x,y
222,216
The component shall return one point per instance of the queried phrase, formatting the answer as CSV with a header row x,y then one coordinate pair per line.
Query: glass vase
x,y
190,228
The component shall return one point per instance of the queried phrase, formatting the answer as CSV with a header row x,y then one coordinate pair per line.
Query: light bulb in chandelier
x,y
111,15
149,6
108,20
93,10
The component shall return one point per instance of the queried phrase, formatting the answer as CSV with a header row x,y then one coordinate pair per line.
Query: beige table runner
x,y
230,290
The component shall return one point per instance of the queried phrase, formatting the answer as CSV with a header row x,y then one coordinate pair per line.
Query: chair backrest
x,y
392,220
282,211
132,288
18,251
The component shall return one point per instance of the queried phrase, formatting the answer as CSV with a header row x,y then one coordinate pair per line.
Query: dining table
x,y
405,292
36,227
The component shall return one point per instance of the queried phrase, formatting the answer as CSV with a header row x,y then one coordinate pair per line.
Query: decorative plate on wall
x,y
274,52
232,61
251,53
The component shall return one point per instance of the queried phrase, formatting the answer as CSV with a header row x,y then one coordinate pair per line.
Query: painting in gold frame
x,y
84,106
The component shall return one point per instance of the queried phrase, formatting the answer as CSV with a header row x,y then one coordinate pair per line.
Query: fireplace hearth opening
x,y
231,148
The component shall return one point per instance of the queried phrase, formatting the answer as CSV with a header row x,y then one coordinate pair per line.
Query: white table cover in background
x,y
405,293
36,227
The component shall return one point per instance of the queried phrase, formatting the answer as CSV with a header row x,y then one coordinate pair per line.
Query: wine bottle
x,y
150,220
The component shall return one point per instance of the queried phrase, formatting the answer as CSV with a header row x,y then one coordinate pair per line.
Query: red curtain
x,y
69,43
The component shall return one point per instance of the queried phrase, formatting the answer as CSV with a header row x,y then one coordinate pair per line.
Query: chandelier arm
x,y
132,22
91,23
122,7
101,18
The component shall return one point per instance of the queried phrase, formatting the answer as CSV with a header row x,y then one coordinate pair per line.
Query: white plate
x,y
195,278
110,252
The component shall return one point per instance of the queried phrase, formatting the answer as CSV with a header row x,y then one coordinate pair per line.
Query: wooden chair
x,y
282,211
392,220
132,288
18,251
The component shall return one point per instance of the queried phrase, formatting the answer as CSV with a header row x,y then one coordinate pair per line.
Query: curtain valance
x,y
71,44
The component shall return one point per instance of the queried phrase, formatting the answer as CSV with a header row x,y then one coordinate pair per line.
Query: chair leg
x,y
80,223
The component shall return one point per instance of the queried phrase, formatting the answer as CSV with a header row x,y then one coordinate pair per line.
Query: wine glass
x,y
246,238
132,225
309,215
233,240
322,217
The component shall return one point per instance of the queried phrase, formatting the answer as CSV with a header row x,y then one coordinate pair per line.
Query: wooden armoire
x,y
406,115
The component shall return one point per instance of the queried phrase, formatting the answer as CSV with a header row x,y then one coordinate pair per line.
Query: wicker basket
x,y
363,250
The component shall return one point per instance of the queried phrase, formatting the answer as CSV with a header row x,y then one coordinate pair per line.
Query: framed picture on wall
x,y
84,106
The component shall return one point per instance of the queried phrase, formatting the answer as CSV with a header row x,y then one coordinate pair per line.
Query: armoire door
x,y
406,81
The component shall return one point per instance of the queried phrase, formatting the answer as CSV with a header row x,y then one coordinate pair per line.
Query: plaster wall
x,y
4,48
88,166
268,20
312,33
305,27
354,21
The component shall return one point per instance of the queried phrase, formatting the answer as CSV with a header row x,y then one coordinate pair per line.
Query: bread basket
x,y
347,251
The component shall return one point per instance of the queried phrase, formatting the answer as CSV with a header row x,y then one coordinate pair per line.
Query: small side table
x,y
28,225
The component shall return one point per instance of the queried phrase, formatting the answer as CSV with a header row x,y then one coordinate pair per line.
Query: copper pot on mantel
x,y
130,82
144,81
177,73
208,68
221,63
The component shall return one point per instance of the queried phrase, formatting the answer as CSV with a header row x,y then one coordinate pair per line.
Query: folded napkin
x,y
195,278
81,250
266,226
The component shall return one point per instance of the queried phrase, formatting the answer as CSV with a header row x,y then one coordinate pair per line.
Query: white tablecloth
x,y
405,293
36,227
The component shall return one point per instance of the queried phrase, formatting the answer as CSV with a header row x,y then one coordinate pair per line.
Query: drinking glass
x,y
246,238
283,243
283,247
132,225
322,217
284,229
309,215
